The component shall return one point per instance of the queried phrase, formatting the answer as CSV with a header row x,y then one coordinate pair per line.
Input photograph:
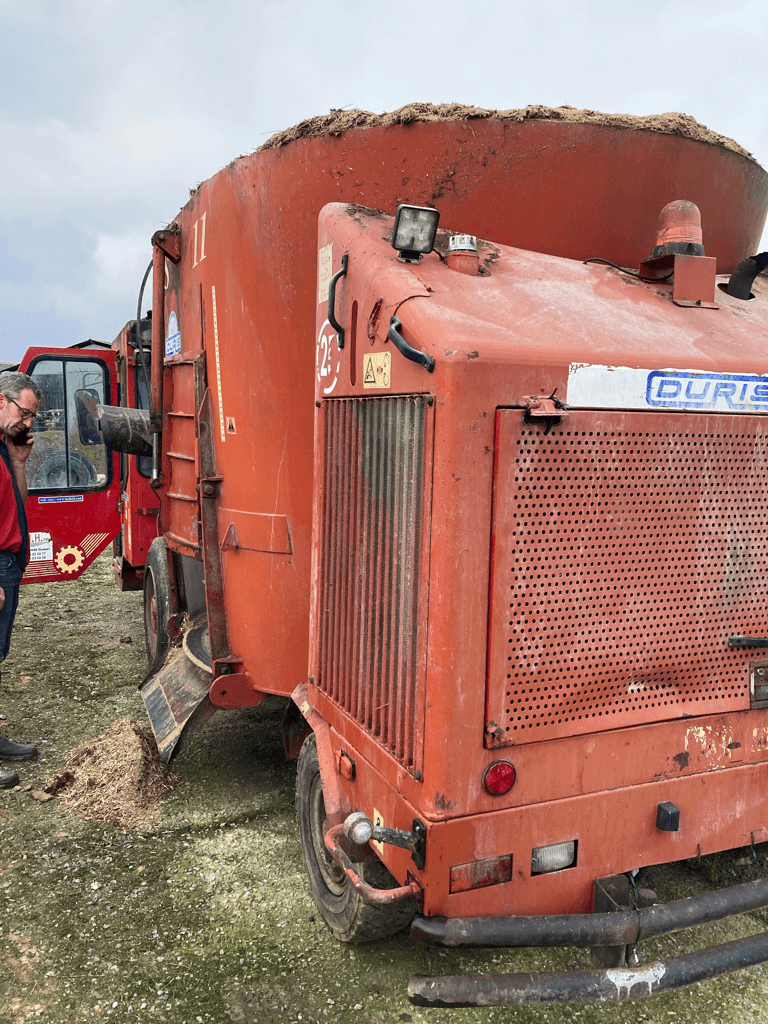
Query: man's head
x,y
19,401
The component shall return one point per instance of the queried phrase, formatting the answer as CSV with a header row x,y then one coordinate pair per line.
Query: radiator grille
x,y
372,598
625,556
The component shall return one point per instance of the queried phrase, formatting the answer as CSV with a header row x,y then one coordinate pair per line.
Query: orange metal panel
x,y
254,531
628,547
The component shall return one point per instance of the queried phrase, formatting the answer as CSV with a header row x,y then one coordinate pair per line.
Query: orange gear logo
x,y
69,559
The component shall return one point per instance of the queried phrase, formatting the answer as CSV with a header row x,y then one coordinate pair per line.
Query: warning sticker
x,y
231,428
324,272
40,547
376,370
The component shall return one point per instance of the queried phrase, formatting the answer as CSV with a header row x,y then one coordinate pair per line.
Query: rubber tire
x,y
349,918
158,607
52,471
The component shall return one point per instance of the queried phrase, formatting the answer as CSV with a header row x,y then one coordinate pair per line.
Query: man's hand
x,y
2,599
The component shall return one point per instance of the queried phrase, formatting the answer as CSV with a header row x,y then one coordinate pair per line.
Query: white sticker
x,y
324,272
173,339
376,370
328,359
40,547
621,387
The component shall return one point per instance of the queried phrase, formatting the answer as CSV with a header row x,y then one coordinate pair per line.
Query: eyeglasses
x,y
25,413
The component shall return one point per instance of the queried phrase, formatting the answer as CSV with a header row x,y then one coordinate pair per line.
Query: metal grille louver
x,y
372,597
625,555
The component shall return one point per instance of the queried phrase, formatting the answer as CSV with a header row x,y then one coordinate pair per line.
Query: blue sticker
x,y
59,497
173,341
673,389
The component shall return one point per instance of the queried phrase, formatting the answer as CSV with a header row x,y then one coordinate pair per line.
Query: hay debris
x,y
117,777
338,121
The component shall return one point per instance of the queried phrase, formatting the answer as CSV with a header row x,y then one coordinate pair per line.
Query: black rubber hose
x,y
740,284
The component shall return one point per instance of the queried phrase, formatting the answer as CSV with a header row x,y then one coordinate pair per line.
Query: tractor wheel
x,y
52,471
157,604
343,909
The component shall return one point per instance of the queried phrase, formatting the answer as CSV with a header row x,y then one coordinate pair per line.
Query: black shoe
x,y
10,751
8,779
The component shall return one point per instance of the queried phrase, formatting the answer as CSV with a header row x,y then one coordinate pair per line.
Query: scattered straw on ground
x,y
117,777
338,121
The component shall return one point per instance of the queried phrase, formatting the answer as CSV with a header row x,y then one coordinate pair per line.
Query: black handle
x,y
748,641
405,349
332,299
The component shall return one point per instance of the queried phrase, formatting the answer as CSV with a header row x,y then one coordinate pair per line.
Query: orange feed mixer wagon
x,y
419,453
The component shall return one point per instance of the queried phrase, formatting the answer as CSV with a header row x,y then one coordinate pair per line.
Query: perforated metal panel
x,y
628,547
372,588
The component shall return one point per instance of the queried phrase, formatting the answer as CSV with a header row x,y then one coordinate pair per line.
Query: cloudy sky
x,y
111,111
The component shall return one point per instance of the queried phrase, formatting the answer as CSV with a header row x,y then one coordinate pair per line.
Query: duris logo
x,y
673,389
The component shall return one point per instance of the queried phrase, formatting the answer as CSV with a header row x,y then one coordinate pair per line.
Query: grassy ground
x,y
208,918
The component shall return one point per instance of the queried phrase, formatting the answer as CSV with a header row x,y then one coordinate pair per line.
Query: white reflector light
x,y
546,859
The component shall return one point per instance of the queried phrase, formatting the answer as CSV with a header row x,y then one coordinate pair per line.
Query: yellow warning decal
x,y
376,370
231,428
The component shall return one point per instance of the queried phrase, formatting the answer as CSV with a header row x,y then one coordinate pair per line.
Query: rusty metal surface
x,y
177,703
373,541
628,547
376,897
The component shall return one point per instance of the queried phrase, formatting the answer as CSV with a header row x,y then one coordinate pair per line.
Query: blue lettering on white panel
x,y
720,392
173,341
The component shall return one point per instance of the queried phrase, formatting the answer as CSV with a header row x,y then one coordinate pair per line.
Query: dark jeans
x,y
10,575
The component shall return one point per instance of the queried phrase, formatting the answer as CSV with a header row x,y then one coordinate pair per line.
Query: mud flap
x,y
177,703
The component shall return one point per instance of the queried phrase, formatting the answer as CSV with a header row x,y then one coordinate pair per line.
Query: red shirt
x,y
10,534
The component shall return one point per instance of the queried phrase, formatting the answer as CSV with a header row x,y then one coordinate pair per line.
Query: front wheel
x,y
157,604
345,912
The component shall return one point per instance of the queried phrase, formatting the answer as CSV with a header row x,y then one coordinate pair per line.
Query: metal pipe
x,y
158,338
376,897
740,283
613,985
614,929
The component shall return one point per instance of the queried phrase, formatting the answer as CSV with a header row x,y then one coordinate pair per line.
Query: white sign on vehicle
x,y
173,340
328,358
40,547
622,387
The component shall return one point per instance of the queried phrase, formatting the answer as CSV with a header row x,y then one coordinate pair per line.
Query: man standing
x,y
19,401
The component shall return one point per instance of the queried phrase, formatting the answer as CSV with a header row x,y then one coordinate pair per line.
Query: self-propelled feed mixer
x,y
452,425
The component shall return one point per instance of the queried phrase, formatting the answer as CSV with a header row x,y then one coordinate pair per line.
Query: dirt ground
x,y
205,917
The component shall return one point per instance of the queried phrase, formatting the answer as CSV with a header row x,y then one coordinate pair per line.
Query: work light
x,y
414,232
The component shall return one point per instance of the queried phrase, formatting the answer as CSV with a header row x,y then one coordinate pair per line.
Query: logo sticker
x,y
328,359
173,341
40,547
724,392
622,387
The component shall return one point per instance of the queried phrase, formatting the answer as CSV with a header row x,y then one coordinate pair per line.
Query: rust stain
x,y
682,758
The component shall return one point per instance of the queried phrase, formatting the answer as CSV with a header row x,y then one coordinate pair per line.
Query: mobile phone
x,y
20,438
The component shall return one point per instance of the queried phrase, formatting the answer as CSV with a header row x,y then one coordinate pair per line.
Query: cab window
x,y
68,454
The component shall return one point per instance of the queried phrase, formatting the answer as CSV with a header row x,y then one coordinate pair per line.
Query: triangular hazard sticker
x,y
370,375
